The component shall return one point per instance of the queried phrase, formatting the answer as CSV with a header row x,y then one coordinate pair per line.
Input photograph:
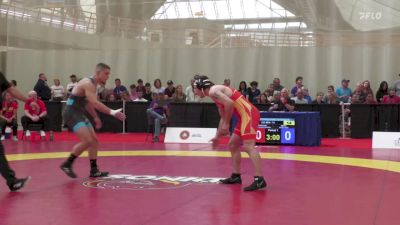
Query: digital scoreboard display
x,y
276,131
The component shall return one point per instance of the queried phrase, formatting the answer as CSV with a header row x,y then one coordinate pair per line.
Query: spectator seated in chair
x,y
35,113
158,111
8,116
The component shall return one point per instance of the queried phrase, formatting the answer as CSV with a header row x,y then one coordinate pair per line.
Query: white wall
x,y
320,66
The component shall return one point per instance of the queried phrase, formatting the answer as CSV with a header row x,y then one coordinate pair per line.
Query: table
x,y
308,126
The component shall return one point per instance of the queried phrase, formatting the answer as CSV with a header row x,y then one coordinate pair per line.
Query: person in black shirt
x,y
170,90
147,92
253,92
42,89
319,99
13,182
382,91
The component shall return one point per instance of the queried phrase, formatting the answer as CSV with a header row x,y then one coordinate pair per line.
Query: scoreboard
x,y
276,131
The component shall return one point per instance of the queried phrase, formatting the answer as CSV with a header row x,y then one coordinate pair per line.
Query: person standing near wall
x,y
42,88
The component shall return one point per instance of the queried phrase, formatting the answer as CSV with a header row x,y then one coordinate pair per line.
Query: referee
x,y
13,182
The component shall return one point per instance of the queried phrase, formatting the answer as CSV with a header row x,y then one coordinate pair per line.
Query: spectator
x,y
147,94
70,86
263,100
102,92
57,91
391,98
35,112
125,96
344,92
159,112
119,89
140,87
133,95
13,83
370,99
227,82
158,88
331,89
299,84
367,88
179,96
8,116
355,99
307,95
277,84
360,92
299,99
331,98
42,89
396,87
319,99
111,97
382,91
140,97
276,97
243,89
253,92
190,96
269,93
170,90
284,103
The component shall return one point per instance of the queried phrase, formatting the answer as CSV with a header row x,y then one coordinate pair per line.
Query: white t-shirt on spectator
x,y
396,87
140,100
190,97
58,91
158,90
300,101
70,86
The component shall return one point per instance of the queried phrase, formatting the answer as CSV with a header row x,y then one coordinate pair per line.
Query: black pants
x,y
13,125
5,169
43,120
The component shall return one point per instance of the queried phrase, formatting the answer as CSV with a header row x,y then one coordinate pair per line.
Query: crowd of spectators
x,y
278,97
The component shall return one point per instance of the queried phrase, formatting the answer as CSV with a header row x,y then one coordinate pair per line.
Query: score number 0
x,y
288,135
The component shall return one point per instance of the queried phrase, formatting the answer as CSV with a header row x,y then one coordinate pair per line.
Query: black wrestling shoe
x,y
97,173
19,183
67,168
258,183
233,179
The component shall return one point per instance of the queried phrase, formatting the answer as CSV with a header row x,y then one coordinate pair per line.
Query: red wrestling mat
x,y
155,190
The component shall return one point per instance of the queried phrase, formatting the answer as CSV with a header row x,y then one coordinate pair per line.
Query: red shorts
x,y
247,124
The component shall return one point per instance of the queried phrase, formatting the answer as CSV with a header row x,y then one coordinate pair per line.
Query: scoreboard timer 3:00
x,y
276,131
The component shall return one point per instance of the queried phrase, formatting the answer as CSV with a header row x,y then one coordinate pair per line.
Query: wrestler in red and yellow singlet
x,y
247,114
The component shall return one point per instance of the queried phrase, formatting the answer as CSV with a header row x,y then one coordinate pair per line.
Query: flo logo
x,y
146,182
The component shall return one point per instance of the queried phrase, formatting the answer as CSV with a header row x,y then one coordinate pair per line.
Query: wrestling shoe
x,y
19,183
233,179
258,183
67,168
98,173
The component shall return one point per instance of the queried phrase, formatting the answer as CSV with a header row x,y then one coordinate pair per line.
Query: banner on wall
x,y
189,135
386,140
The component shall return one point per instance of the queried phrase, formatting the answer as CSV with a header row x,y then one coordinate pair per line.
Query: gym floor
x,y
341,182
